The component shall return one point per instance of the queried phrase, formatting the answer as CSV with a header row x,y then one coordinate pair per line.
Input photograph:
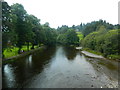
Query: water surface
x,y
60,67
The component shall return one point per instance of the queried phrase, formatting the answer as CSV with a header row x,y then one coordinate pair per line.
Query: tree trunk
x,y
3,56
19,50
39,45
27,46
32,46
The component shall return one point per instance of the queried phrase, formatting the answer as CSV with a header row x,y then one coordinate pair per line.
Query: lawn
x,y
80,35
13,51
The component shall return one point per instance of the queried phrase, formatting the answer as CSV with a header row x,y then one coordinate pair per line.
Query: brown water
x,y
60,67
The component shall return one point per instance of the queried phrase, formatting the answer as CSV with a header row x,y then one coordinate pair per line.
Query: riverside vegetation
x,y
21,31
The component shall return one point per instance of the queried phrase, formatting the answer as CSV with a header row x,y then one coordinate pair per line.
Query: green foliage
x,y
80,35
24,32
114,57
95,25
8,27
20,13
63,29
102,41
20,28
71,37
111,42
61,38
50,35
89,40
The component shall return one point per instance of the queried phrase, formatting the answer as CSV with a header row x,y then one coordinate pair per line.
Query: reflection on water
x,y
25,68
70,52
60,67
9,75
30,60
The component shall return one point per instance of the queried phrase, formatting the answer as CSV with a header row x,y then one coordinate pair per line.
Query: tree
x,y
111,42
102,41
19,11
28,28
61,39
5,24
63,29
9,36
36,29
71,37
95,25
50,35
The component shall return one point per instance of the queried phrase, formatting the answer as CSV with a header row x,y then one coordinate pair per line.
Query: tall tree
x,y
36,27
20,12
71,37
28,28
9,36
50,35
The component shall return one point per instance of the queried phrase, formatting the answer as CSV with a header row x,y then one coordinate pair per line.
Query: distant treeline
x,y
99,36
19,28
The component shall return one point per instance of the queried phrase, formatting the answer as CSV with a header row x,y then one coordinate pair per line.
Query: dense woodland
x,y
19,29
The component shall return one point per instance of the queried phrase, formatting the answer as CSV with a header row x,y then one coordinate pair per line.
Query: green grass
x,y
13,51
113,56
35,47
80,35
10,52
25,47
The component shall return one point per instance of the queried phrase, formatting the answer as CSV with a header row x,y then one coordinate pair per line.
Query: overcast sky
x,y
71,12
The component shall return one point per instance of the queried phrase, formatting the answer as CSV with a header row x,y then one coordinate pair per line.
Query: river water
x,y
60,67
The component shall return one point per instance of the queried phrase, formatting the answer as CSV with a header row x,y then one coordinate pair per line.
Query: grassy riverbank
x,y
113,57
13,51
12,58
92,51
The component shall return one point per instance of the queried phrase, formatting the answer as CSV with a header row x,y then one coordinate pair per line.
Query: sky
x,y
70,12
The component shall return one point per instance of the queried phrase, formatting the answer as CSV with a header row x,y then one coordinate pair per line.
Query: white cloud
x,y
69,12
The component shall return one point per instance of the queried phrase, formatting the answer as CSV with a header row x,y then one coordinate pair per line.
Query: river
x,y
60,67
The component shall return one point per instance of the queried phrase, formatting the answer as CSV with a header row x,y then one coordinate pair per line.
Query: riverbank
x,y
94,54
5,60
13,51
